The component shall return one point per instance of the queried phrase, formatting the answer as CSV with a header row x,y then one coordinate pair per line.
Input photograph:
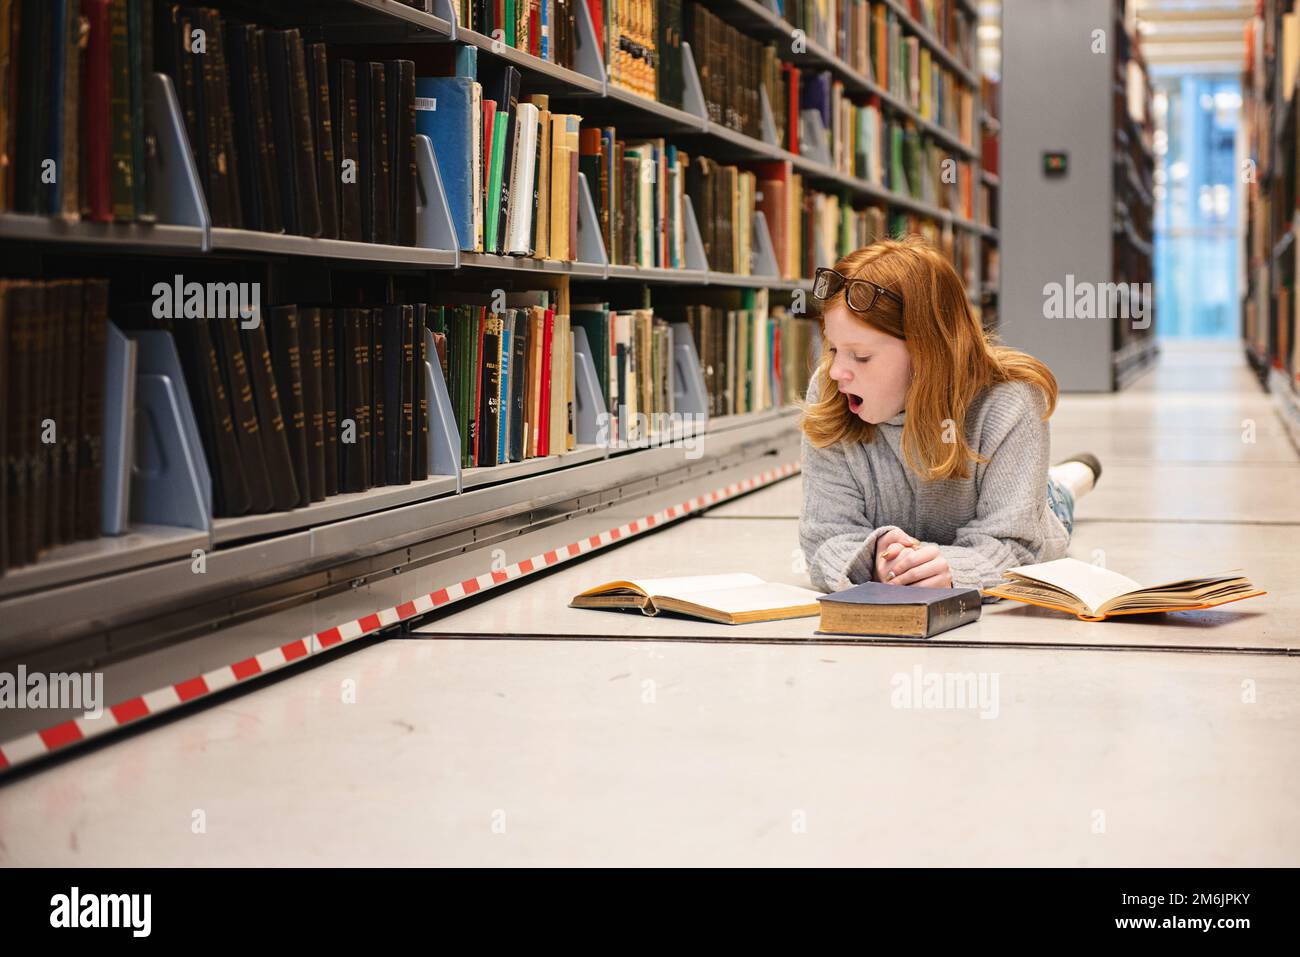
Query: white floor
x,y
1173,741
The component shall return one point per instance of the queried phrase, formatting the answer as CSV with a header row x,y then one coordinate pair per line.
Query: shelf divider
x,y
591,245
692,91
170,484
588,60
763,263
434,226
592,415
689,394
444,437
695,258
174,185
119,432
766,119
447,10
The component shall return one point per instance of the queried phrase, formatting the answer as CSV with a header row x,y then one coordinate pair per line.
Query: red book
x,y
96,87
535,30
597,10
544,414
778,393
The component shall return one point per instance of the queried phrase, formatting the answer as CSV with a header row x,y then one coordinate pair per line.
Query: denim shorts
x,y
1061,501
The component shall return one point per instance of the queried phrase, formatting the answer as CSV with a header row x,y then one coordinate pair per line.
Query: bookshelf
x,y
1076,233
124,582
1270,312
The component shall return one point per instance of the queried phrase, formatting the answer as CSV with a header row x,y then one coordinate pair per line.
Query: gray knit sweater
x,y
994,520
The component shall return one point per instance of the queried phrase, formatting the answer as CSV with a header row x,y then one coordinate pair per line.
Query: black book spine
x,y
327,171
313,406
407,446
304,158
266,157
286,358
238,41
354,425
380,169
270,419
400,76
69,421
392,394
282,124
951,612
34,108
329,401
239,388
420,446
365,402
343,100
378,399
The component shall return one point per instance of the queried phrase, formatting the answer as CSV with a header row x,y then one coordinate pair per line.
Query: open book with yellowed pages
x,y
1093,593
733,599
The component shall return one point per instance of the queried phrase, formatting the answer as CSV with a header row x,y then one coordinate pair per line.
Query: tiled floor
x,y
1169,741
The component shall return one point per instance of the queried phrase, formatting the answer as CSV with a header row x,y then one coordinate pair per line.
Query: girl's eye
x,y
862,358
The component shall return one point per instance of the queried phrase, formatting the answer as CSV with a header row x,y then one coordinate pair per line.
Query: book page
x,y
763,596
686,587
1091,584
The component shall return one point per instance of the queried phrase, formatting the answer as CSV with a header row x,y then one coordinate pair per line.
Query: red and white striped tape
x,y
31,746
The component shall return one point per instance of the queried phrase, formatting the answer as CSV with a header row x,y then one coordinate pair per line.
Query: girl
x,y
924,443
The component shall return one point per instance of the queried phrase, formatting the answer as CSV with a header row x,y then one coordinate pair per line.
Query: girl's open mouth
x,y
855,403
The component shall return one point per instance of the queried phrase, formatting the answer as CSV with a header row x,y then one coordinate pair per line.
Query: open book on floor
x,y
733,599
1094,593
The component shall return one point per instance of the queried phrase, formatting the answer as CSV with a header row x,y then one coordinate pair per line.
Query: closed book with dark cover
x,y
123,158
372,128
309,327
390,380
96,101
270,419
248,431
286,358
343,101
69,423
900,611
378,400
505,91
420,396
329,401
400,78
323,130
352,352
304,140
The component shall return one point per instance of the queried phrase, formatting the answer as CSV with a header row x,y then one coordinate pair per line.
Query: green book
x,y
490,222
512,35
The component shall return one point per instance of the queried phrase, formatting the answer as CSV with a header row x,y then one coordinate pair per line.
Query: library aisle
x,y
557,736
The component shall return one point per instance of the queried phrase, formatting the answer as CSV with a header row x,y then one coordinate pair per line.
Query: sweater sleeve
x,y
835,534
1007,529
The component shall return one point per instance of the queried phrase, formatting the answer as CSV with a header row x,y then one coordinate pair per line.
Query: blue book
x,y
444,112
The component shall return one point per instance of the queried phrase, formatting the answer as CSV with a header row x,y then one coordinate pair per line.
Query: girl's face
x,y
872,369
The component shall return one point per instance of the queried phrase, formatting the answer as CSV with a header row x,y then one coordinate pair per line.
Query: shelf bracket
x,y
592,416
588,57
447,10
763,255
766,120
119,432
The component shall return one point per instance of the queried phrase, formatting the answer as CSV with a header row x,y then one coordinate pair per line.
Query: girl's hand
x,y
924,566
888,547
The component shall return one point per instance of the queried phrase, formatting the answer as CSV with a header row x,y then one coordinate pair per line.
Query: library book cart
x,y
251,594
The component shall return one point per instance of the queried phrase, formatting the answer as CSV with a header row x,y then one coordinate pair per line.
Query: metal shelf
x,y
156,238
532,264
364,254
553,73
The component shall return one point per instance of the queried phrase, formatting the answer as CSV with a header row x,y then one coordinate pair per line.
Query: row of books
x,y
509,374
849,27
542,28
52,371
289,138
641,46
73,139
